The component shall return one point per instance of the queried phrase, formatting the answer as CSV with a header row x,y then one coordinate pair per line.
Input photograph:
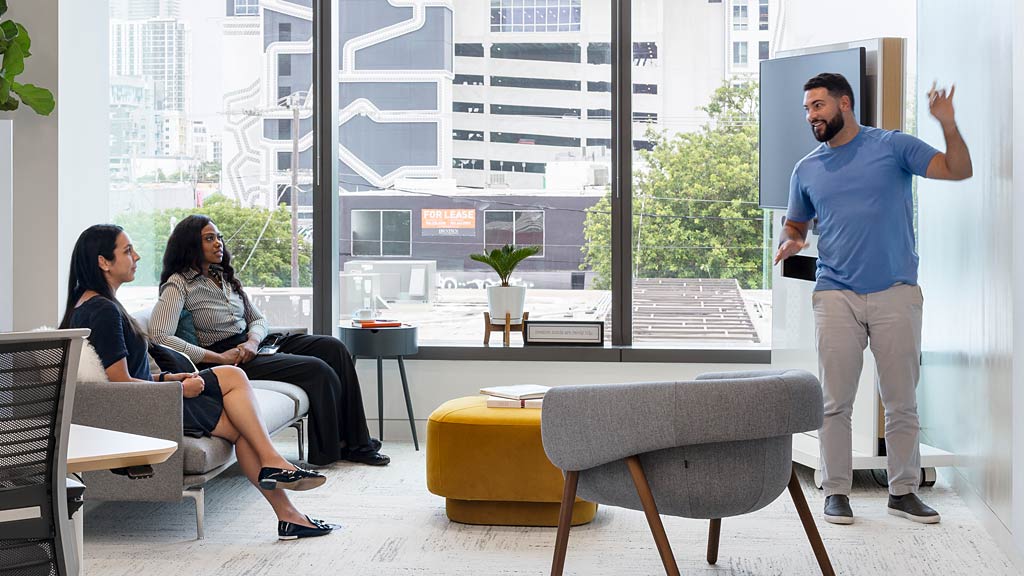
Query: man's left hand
x,y
940,104
248,351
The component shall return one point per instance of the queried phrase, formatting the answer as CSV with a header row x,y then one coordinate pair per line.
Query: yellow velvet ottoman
x,y
490,466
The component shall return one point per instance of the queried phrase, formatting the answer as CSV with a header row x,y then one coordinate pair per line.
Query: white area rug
x,y
392,525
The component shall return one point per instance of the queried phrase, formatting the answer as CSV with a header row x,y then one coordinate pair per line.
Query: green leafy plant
x,y
505,259
14,49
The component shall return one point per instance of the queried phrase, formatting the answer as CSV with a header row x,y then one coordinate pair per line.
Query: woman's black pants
x,y
321,366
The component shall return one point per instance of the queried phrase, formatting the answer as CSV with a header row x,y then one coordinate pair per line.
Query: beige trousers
x,y
890,322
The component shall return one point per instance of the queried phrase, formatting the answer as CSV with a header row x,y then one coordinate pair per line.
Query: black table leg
x,y
408,402
380,397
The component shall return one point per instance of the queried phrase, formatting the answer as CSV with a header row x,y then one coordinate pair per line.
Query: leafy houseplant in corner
x,y
14,49
505,299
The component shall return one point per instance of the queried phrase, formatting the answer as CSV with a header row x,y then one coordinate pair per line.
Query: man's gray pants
x,y
845,323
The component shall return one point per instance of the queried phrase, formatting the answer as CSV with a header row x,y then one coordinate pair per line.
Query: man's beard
x,y
832,127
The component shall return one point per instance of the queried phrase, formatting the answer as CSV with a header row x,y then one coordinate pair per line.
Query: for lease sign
x,y
448,221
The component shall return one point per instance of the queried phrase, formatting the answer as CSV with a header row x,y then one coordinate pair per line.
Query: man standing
x,y
857,184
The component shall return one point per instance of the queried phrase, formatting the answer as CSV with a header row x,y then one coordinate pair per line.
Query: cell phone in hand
x,y
800,267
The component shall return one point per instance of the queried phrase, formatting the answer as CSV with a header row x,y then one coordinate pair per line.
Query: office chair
x,y
37,388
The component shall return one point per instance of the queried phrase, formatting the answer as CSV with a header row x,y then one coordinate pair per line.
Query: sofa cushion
x,y
298,395
276,408
205,454
186,328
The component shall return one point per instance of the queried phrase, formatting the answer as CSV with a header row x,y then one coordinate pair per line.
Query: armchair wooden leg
x,y
810,528
713,534
643,489
572,478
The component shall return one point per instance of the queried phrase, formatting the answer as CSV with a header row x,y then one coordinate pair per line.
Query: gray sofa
x,y
154,409
713,448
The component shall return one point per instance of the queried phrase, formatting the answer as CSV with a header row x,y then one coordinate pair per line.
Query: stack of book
x,y
521,396
375,323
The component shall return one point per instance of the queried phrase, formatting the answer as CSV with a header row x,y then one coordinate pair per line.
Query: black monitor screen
x,y
785,134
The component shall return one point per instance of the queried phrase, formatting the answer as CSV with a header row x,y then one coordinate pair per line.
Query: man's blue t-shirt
x,y
860,192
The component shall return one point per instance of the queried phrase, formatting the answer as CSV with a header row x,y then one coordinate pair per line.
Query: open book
x,y
520,392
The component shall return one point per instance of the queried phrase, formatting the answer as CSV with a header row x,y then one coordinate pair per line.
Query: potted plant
x,y
505,299
14,49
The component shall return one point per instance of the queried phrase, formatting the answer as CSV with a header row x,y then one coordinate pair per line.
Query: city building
x,y
144,9
157,49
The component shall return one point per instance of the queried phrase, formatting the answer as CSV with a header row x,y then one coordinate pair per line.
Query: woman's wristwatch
x,y
162,377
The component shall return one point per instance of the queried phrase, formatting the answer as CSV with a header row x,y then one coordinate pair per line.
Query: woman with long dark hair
x,y
216,402
198,277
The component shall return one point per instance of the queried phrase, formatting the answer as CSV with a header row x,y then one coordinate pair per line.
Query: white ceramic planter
x,y
502,299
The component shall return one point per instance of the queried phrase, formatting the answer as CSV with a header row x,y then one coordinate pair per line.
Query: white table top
x,y
92,449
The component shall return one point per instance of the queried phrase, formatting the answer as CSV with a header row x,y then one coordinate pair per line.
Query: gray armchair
x,y
712,448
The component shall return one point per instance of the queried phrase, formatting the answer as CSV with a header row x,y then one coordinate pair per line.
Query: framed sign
x,y
563,332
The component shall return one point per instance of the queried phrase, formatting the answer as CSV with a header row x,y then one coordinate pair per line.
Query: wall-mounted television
x,y
785,134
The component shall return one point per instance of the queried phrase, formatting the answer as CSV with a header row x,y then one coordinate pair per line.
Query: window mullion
x,y
622,173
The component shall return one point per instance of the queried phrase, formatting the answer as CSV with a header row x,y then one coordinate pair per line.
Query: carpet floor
x,y
393,526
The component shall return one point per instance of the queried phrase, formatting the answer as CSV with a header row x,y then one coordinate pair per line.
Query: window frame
x,y
380,241
740,48
517,11
515,213
620,346
246,8
740,16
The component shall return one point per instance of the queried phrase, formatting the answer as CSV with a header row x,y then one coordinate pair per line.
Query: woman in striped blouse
x,y
229,330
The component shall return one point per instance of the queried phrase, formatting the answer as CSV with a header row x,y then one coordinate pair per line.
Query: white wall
x,y
60,161
966,233
1017,262
6,226
35,175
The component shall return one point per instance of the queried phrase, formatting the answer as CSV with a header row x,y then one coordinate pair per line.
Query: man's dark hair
x,y
836,85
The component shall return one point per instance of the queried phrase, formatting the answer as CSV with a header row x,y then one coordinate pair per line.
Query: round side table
x,y
381,343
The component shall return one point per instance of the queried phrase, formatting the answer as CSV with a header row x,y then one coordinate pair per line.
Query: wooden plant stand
x,y
507,327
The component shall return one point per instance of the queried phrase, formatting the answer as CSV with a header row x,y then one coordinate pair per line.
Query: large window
x,y
462,126
208,101
535,15
381,233
502,154
516,227
699,276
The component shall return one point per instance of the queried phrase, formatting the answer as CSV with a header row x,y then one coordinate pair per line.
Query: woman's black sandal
x,y
298,479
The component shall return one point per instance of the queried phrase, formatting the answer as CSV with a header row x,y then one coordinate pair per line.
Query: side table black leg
x,y
408,402
380,397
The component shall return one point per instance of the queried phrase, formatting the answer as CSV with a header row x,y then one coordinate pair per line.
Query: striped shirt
x,y
217,312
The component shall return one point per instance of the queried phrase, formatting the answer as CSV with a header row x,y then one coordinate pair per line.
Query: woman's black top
x,y
112,337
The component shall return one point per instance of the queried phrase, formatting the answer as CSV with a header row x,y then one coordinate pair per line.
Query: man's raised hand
x,y
940,104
